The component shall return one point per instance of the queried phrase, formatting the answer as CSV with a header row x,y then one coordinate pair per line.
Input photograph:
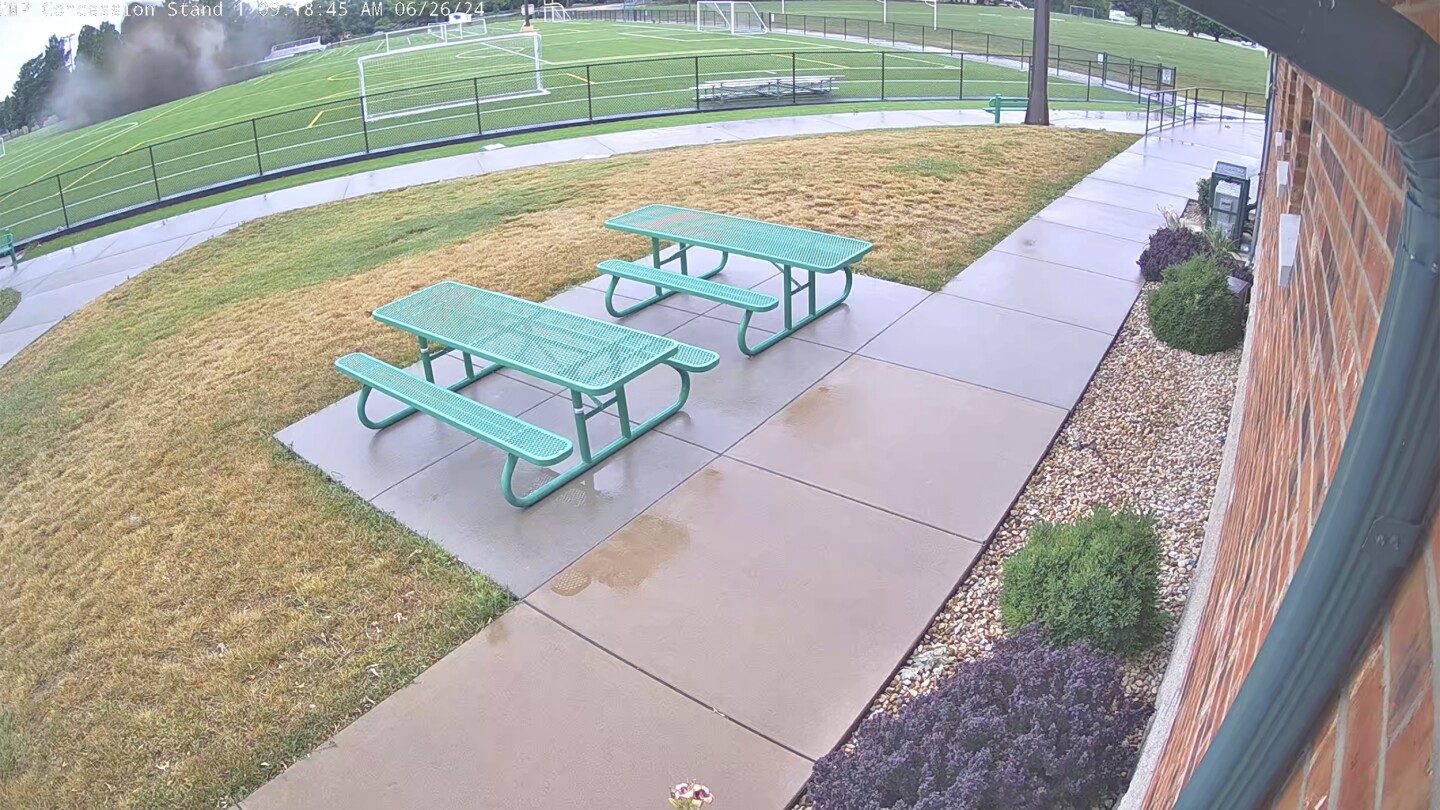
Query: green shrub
x,y
1202,195
1194,309
1094,580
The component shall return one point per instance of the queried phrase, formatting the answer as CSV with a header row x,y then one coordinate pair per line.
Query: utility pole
x,y
1038,110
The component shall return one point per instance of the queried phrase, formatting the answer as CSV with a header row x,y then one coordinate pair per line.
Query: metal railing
x,y
338,131
1170,108
1135,73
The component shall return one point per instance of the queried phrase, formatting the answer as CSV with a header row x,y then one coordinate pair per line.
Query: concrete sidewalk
x,y
722,599
57,284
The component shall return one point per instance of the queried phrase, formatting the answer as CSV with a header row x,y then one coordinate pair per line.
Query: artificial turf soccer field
x,y
308,110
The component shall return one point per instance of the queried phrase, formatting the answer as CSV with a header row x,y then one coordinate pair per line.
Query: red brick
x,y
1409,760
1360,765
1410,648
1322,762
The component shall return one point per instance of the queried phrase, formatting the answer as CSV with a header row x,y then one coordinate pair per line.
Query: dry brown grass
x,y
183,607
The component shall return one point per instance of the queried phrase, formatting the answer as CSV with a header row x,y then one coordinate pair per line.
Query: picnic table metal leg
x,y
660,294
427,356
791,325
588,457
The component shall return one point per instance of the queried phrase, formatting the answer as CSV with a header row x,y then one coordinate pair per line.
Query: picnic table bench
x,y
721,90
593,359
7,247
998,102
788,248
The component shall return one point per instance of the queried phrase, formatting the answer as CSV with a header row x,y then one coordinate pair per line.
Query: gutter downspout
x,y
1381,492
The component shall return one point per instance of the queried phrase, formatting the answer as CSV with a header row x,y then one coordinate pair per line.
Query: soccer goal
x,y
427,78
729,17
1083,11
2,146
419,37
554,12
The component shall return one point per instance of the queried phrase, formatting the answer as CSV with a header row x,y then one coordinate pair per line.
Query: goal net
x,y
426,78
554,12
730,18
439,33
1082,11
2,146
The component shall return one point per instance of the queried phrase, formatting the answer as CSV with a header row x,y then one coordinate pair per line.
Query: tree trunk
x,y
1038,110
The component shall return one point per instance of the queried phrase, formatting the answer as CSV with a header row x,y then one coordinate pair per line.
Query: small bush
x,y
1171,246
9,299
1030,726
1194,309
1202,195
1094,580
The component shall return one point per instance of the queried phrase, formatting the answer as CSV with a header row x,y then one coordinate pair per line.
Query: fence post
x,y
60,187
882,75
697,82
962,76
922,39
1089,67
364,129
952,41
154,175
794,99
589,95
987,47
1222,104
867,32
475,89
255,135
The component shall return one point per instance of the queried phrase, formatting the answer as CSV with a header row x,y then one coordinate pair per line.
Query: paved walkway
x,y
722,599
57,284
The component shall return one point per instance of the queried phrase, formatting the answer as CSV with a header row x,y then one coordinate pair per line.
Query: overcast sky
x,y
23,37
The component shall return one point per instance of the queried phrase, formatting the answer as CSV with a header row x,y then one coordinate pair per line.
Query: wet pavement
x,y
721,600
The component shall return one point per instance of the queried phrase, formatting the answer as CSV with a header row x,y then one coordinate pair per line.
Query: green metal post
x,y
255,135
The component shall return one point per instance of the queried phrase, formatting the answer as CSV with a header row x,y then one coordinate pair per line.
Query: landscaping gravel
x,y
1148,435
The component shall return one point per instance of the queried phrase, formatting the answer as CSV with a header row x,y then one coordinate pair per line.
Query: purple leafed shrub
x,y
1170,246
1031,726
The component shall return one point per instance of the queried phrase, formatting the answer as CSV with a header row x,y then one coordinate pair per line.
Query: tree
x,y
96,44
1188,21
1038,110
30,97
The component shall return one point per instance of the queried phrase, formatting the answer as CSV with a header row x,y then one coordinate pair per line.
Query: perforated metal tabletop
x,y
782,244
571,350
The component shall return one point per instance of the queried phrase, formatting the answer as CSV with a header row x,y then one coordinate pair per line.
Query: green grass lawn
x,y
9,299
311,113
1199,61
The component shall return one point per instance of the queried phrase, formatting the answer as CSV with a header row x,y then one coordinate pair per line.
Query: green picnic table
x,y
593,359
789,249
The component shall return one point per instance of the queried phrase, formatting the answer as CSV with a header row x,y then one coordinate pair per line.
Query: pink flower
x,y
690,796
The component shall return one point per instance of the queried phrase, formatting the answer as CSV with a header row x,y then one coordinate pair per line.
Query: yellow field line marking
x,y
316,118
819,62
92,171
581,78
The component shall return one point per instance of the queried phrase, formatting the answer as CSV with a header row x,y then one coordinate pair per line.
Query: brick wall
x,y
1310,346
